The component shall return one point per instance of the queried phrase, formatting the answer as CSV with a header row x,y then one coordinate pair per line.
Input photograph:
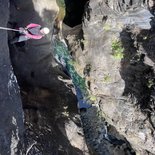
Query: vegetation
x,y
106,78
84,42
72,62
150,83
106,27
92,98
117,49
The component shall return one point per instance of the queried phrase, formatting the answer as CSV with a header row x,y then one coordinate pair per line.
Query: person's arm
x,y
32,25
22,30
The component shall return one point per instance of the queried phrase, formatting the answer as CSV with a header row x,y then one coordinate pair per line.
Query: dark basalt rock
x,y
121,120
52,122
74,12
11,113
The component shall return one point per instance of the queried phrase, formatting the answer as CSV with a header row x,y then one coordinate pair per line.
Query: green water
x,y
62,52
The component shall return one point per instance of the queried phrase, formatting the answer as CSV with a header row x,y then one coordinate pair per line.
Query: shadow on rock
x,y
52,123
138,75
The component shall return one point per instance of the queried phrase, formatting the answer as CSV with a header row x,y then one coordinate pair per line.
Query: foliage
x,y
84,42
117,49
92,98
106,27
150,83
72,62
61,3
106,78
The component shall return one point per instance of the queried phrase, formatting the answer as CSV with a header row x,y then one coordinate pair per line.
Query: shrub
x,y
117,49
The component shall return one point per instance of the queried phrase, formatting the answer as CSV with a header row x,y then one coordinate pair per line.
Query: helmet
x,y
45,30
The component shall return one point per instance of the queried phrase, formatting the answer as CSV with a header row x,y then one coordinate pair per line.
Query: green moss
x,y
61,3
150,83
92,98
72,62
84,42
106,78
117,49
106,27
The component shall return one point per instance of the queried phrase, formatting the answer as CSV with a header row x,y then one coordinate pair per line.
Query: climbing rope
x,y
9,29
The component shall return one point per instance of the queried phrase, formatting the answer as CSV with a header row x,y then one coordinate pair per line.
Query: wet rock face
x,y
120,76
11,113
52,122
116,38
52,125
125,5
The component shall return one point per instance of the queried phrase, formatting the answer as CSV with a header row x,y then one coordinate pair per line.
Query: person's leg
x,y
22,38
19,39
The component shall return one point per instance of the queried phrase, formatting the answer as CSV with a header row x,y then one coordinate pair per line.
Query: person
x,y
32,31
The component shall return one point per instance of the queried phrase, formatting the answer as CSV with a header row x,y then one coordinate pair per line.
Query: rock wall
x,y
116,34
52,123
11,113
116,57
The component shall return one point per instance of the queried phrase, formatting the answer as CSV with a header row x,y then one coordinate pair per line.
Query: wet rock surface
x,y
117,45
53,125
113,50
11,113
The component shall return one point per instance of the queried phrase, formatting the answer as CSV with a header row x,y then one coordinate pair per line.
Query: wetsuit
x,y
32,31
